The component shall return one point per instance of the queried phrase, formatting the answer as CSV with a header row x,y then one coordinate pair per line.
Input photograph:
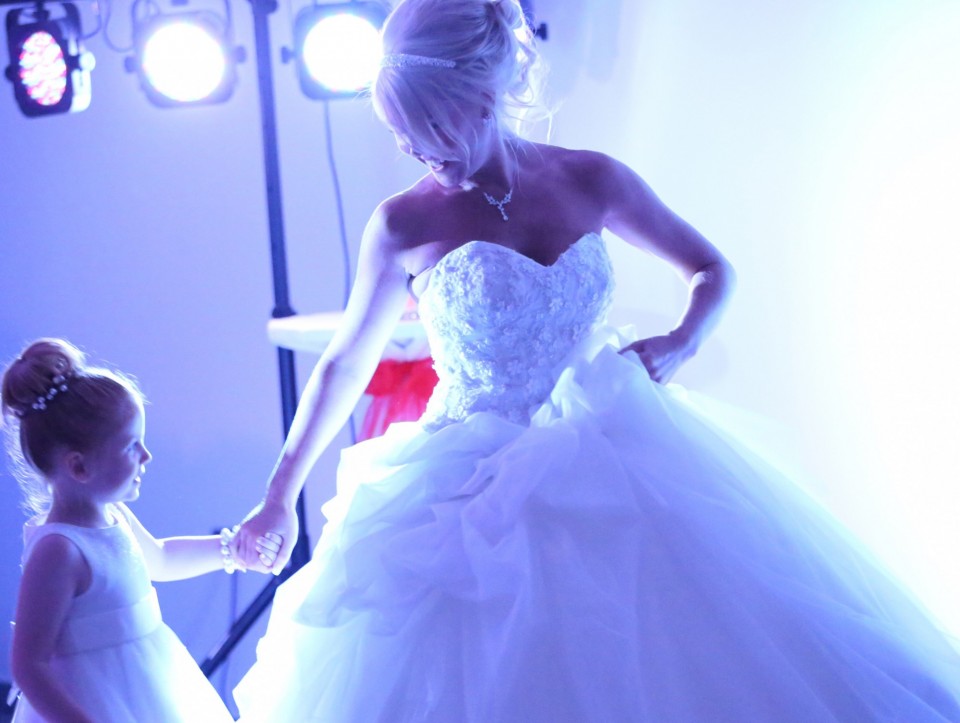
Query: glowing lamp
x,y
49,69
184,59
337,48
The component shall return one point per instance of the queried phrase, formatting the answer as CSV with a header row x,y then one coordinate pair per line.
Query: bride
x,y
560,537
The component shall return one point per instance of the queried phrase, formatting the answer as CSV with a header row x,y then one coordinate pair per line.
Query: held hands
x,y
662,355
268,545
266,537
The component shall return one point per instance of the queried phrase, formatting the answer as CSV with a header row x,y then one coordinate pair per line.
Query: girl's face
x,y
117,463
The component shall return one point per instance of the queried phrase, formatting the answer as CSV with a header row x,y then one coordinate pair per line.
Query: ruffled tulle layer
x,y
618,559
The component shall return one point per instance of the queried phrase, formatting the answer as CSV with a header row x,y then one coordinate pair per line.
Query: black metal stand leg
x,y
288,384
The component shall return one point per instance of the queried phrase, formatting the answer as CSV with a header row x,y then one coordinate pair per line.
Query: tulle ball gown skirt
x,y
616,559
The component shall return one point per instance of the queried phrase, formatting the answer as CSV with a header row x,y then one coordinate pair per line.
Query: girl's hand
x,y
267,546
662,355
265,539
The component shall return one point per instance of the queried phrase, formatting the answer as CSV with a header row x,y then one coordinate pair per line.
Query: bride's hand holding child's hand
x,y
662,356
266,537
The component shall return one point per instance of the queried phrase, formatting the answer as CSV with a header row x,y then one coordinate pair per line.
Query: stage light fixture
x,y
337,48
49,68
185,59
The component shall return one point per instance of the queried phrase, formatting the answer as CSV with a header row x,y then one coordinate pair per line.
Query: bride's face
x,y
452,163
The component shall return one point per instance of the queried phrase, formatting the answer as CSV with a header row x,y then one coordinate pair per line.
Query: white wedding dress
x,y
561,539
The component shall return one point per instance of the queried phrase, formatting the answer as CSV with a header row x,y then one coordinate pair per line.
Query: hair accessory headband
x,y
406,60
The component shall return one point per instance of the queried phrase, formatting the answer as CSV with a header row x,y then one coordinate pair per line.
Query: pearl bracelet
x,y
226,537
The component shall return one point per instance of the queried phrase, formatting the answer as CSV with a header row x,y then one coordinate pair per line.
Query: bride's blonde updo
x,y
497,69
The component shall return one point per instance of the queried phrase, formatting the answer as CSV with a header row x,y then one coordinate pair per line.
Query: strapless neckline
x,y
447,257
513,251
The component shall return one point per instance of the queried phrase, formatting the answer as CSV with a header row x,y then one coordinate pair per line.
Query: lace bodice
x,y
500,325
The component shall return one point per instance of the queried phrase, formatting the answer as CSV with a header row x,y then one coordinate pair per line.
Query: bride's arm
x,y
334,387
635,214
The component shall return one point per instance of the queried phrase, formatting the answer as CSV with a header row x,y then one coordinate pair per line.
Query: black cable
x,y
107,14
40,4
25,4
96,11
108,41
228,19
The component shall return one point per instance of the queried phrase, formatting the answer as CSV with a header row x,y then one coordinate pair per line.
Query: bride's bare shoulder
x,y
575,164
398,223
407,209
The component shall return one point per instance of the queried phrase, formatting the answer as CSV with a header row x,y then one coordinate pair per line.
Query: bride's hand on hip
x,y
266,538
662,356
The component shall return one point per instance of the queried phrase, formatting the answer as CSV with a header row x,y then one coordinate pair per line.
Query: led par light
x,y
337,48
49,68
184,59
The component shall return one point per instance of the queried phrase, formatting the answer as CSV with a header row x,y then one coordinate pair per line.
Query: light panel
x,y
337,48
184,59
49,69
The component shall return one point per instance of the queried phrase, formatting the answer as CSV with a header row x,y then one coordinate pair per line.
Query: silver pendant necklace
x,y
501,203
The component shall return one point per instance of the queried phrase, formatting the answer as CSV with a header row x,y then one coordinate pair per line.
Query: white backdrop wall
x,y
816,144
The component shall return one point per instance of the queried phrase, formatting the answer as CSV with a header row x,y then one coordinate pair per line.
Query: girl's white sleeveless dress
x,y
115,656
560,539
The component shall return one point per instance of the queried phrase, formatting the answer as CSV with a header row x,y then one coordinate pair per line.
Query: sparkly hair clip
x,y
406,60
59,385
